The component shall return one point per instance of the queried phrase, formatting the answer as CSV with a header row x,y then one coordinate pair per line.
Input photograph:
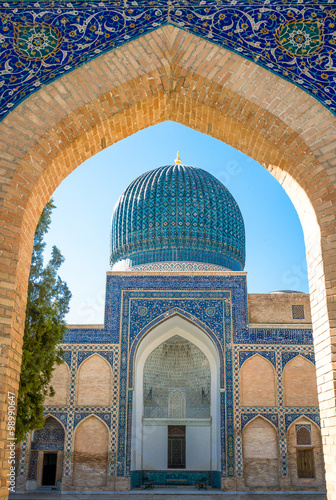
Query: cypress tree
x,y
47,304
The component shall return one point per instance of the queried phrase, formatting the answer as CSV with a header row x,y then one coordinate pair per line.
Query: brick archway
x,y
172,75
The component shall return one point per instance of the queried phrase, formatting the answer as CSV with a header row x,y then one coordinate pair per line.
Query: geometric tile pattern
x,y
74,414
244,355
24,447
190,303
311,413
176,267
288,355
218,305
83,355
280,416
155,220
50,437
32,470
174,388
41,41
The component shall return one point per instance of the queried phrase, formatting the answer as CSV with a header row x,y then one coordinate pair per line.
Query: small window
x,y
305,463
303,434
298,312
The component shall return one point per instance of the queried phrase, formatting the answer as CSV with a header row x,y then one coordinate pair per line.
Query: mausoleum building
x,y
190,379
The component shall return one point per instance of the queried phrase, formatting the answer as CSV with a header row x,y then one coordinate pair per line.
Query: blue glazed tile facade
x,y
41,41
217,304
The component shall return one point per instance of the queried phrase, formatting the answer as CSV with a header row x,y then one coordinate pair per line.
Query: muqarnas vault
x,y
190,379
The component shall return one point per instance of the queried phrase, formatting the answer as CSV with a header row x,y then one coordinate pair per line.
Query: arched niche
x,y
299,383
46,454
175,326
257,382
311,444
60,382
69,120
94,382
176,381
260,454
51,436
90,454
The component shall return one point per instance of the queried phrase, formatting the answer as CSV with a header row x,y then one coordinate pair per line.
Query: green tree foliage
x,y
47,304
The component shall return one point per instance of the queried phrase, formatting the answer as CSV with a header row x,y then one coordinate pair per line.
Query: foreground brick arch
x,y
171,75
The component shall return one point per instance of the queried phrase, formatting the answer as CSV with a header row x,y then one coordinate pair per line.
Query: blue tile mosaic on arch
x,y
244,355
83,355
288,356
61,416
146,300
41,41
199,284
105,417
247,417
314,416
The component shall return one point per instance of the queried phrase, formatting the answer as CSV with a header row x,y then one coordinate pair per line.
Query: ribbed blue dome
x,y
178,213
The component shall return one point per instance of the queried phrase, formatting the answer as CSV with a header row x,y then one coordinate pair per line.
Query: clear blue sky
x,y
85,201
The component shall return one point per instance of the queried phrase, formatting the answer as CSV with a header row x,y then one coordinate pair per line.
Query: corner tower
x,y
177,214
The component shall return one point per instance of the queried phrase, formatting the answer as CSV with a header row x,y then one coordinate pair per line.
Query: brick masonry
x,y
169,74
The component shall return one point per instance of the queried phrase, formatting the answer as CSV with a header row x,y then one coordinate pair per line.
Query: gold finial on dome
x,y
177,160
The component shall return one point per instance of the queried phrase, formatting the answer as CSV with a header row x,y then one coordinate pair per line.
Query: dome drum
x,y
181,255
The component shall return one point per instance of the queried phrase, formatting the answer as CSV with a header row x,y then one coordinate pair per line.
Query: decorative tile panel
x,y
312,413
178,267
288,356
279,415
32,471
50,437
244,355
83,355
41,41
217,303
23,456
276,336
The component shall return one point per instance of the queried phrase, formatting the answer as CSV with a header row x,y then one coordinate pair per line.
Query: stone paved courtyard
x,y
169,494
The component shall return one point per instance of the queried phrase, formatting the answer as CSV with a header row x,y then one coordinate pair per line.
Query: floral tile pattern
x,y
41,41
